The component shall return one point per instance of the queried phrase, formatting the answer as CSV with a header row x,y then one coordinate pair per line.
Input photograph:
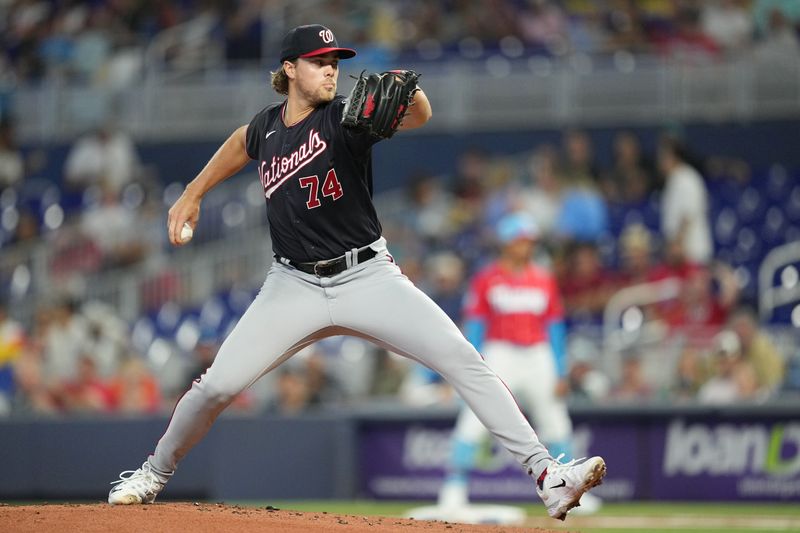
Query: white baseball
x,y
186,232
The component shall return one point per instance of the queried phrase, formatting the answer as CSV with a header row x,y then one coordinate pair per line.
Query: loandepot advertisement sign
x,y
648,458
729,460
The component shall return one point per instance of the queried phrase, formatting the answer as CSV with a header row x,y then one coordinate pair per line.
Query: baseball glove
x,y
378,102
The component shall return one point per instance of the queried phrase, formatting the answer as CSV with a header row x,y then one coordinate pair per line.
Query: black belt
x,y
331,267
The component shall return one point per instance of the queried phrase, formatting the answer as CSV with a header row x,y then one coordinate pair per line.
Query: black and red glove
x,y
378,102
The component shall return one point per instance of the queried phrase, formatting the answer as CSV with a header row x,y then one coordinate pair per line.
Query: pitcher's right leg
x,y
283,317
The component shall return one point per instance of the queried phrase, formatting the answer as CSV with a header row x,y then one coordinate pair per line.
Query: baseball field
x,y
358,516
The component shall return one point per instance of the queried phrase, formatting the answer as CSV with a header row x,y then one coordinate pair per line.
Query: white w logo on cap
x,y
326,36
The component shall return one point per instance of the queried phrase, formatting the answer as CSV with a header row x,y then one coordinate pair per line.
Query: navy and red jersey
x,y
317,180
517,307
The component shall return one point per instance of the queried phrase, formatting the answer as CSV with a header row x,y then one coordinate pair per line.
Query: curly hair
x,y
280,81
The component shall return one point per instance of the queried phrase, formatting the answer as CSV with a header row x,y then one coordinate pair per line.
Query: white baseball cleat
x,y
589,504
136,486
563,484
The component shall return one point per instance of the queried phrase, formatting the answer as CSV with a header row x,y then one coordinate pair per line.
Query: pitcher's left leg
x,y
382,304
548,411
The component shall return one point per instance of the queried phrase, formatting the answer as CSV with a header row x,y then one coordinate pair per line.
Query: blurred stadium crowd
x,y
108,42
647,218
694,228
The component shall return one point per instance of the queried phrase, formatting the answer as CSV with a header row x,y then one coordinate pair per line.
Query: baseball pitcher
x,y
332,273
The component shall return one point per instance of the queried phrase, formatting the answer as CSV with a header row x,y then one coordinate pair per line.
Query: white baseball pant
x,y
372,300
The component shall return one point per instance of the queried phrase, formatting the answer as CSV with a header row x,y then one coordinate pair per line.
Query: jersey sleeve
x,y
476,303
255,133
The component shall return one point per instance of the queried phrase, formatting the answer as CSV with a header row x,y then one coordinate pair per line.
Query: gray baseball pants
x,y
372,300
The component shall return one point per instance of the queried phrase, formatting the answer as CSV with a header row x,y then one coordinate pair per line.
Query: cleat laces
x,y
141,480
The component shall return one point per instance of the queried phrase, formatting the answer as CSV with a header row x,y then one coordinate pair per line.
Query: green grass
x,y
613,518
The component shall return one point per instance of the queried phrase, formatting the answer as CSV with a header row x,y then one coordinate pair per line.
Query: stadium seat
x,y
726,226
751,205
167,319
142,333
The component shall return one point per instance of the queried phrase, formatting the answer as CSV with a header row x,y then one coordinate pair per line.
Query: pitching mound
x,y
205,517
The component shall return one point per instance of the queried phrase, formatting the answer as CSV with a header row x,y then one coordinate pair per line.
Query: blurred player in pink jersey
x,y
514,317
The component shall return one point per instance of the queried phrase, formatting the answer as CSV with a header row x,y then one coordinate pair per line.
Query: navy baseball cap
x,y
312,40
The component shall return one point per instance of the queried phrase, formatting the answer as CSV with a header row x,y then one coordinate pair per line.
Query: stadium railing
x,y
498,93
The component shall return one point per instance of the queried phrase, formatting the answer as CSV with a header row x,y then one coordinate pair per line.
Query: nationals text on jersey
x,y
282,168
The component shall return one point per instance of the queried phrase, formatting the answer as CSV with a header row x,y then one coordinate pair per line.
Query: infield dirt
x,y
209,517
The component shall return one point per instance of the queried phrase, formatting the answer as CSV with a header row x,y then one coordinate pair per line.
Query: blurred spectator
x,y
721,388
92,47
586,382
626,25
765,11
687,41
631,179
87,392
134,389
323,387
73,255
583,215
428,215
780,40
243,27
472,176
700,310
674,263
12,338
12,166
636,257
389,372
690,376
293,392
579,168
757,349
684,205
105,43
542,196
632,386
728,23
107,337
736,378
115,229
32,394
446,274
105,156
66,334
543,23
27,230
585,284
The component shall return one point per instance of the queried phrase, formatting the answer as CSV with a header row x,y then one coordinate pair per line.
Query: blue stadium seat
x,y
188,332
212,313
142,333
791,204
239,300
772,231
751,206
167,319
726,226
